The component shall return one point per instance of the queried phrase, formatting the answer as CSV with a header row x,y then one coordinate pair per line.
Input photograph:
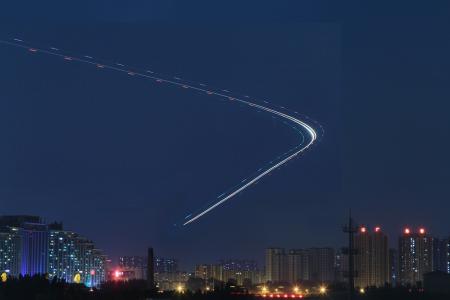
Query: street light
x,y
322,289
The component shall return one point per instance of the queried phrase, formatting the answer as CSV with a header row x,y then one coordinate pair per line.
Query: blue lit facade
x,y
34,240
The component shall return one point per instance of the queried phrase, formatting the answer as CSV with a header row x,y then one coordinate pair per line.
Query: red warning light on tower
x,y
406,231
422,230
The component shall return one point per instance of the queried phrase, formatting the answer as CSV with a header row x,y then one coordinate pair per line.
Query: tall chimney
x,y
150,269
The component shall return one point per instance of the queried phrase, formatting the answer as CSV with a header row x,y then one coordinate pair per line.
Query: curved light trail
x,y
278,112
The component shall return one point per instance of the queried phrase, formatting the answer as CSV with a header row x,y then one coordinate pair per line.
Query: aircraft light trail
x,y
200,87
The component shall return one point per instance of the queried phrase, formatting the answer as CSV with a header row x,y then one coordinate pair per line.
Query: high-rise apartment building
x,y
298,265
63,255
372,258
276,265
10,251
415,256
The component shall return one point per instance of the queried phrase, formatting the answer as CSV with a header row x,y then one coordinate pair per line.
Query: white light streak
x,y
275,113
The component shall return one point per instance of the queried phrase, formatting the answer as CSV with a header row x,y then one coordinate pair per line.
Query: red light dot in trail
x,y
422,230
377,229
363,229
407,231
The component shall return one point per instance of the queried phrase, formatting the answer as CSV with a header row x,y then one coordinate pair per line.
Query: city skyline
x,y
33,250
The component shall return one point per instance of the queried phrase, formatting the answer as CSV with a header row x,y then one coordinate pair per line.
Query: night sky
x,y
121,159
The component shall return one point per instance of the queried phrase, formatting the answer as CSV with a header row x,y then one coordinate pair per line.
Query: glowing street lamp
x,y
362,291
180,289
296,289
323,290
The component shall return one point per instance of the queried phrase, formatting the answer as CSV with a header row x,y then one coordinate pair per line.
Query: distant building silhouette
x,y
135,265
238,270
166,265
441,255
311,264
321,264
437,283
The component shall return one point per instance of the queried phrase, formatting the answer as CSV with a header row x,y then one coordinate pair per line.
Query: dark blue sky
x,y
121,159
